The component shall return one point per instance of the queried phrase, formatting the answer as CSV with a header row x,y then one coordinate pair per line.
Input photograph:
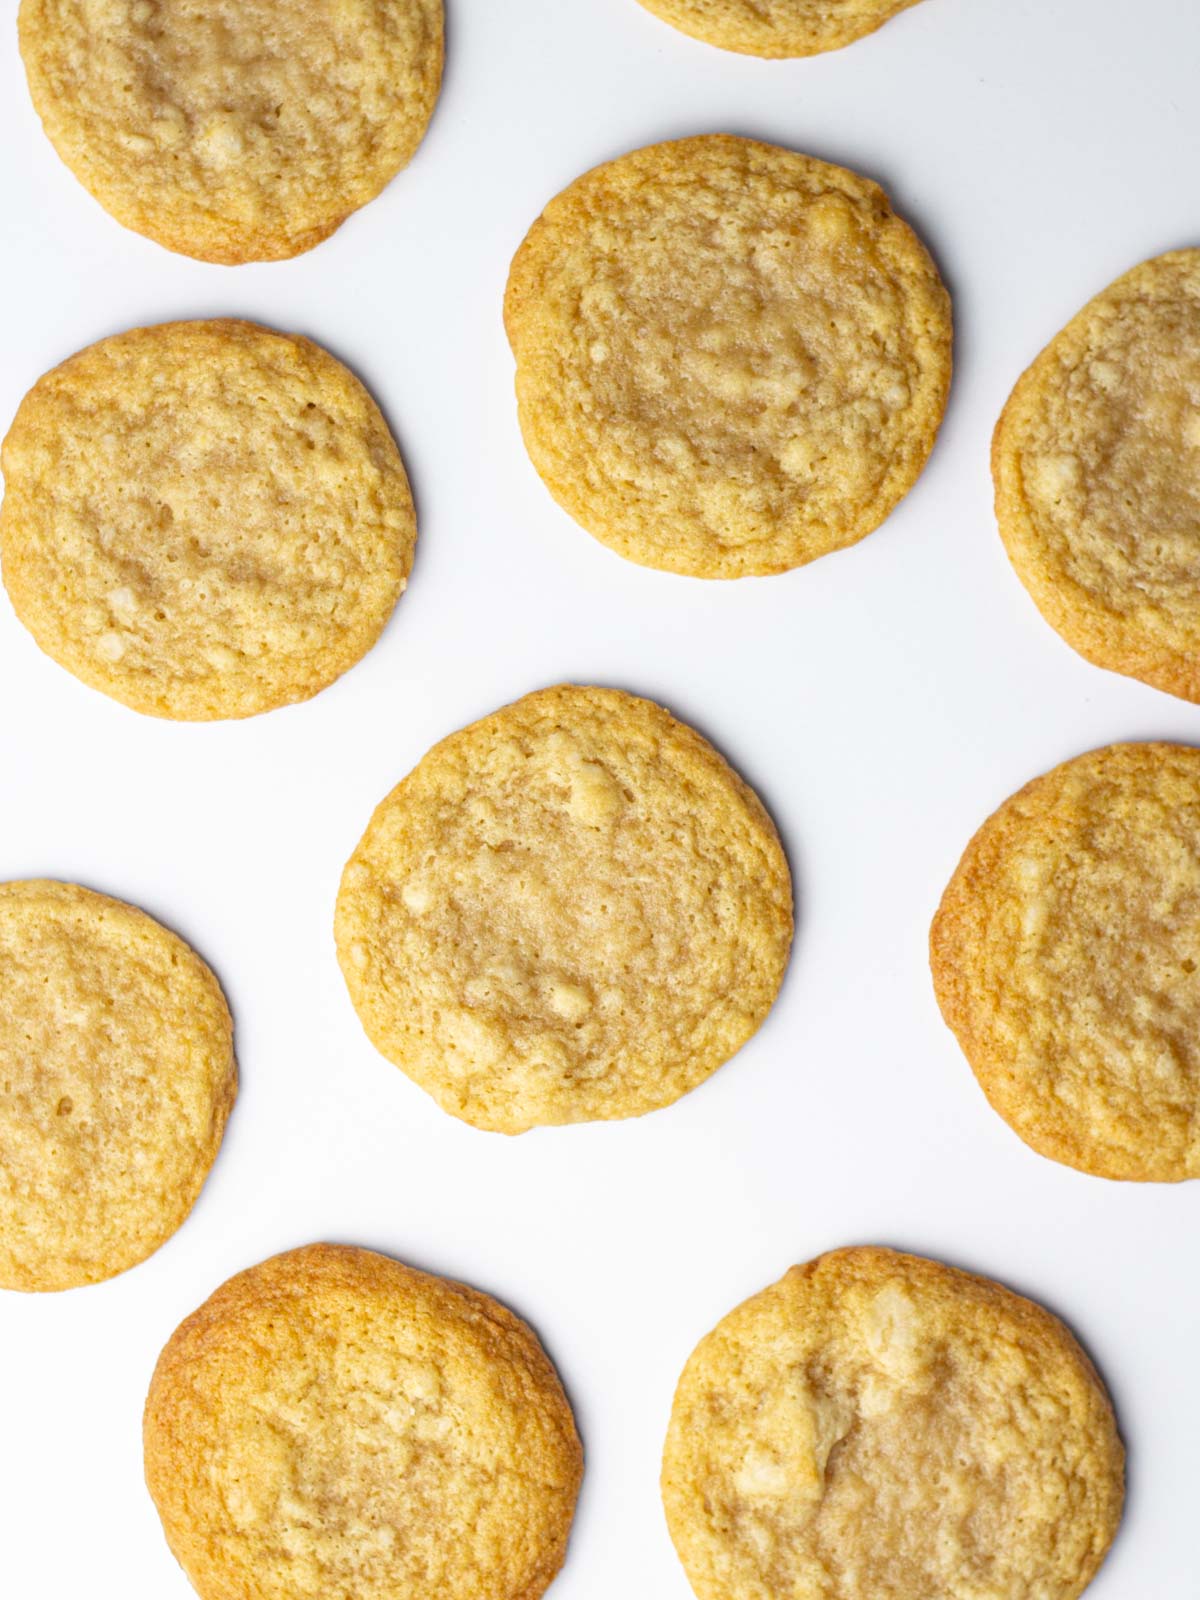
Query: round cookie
x,y
571,910
777,27
1065,955
236,130
877,1424
1096,462
204,519
331,1424
116,1078
731,359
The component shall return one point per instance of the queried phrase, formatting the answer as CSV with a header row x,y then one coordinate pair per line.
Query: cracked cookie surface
x,y
117,1076
204,519
332,1425
1096,462
878,1424
233,130
777,27
1065,954
571,910
731,359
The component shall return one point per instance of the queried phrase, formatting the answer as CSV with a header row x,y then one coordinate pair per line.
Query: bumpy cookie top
x,y
1096,460
875,1424
571,910
331,1425
1065,957
234,130
204,519
731,359
116,1078
777,27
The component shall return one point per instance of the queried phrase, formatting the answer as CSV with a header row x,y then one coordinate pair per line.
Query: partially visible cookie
x,y
571,910
1096,461
204,519
731,359
235,130
1066,959
877,1424
116,1078
331,1425
777,27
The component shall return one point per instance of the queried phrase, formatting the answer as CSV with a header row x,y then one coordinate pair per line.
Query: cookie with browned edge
x,y
572,910
1096,461
204,519
1066,959
117,1075
731,359
878,1424
235,130
331,1425
777,28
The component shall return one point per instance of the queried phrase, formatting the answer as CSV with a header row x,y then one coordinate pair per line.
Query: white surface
x,y
882,701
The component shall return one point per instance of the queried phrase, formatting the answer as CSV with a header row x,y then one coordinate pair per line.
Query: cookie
x,y
1096,462
332,1425
731,359
777,27
116,1078
877,1424
204,519
236,130
1065,955
571,910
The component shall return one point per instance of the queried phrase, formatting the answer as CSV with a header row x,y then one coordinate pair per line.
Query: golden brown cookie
x,y
777,27
1065,955
116,1078
235,130
1096,461
204,519
331,1425
569,911
731,359
875,1424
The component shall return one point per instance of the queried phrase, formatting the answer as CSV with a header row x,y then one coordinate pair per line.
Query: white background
x,y
882,701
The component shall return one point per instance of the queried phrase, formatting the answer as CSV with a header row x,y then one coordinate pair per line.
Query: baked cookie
x,y
236,130
572,910
876,1424
1096,461
331,1425
777,27
116,1079
204,519
731,359
1065,955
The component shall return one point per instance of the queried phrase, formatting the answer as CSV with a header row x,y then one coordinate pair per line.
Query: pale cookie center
x,y
751,353
1112,466
1109,958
